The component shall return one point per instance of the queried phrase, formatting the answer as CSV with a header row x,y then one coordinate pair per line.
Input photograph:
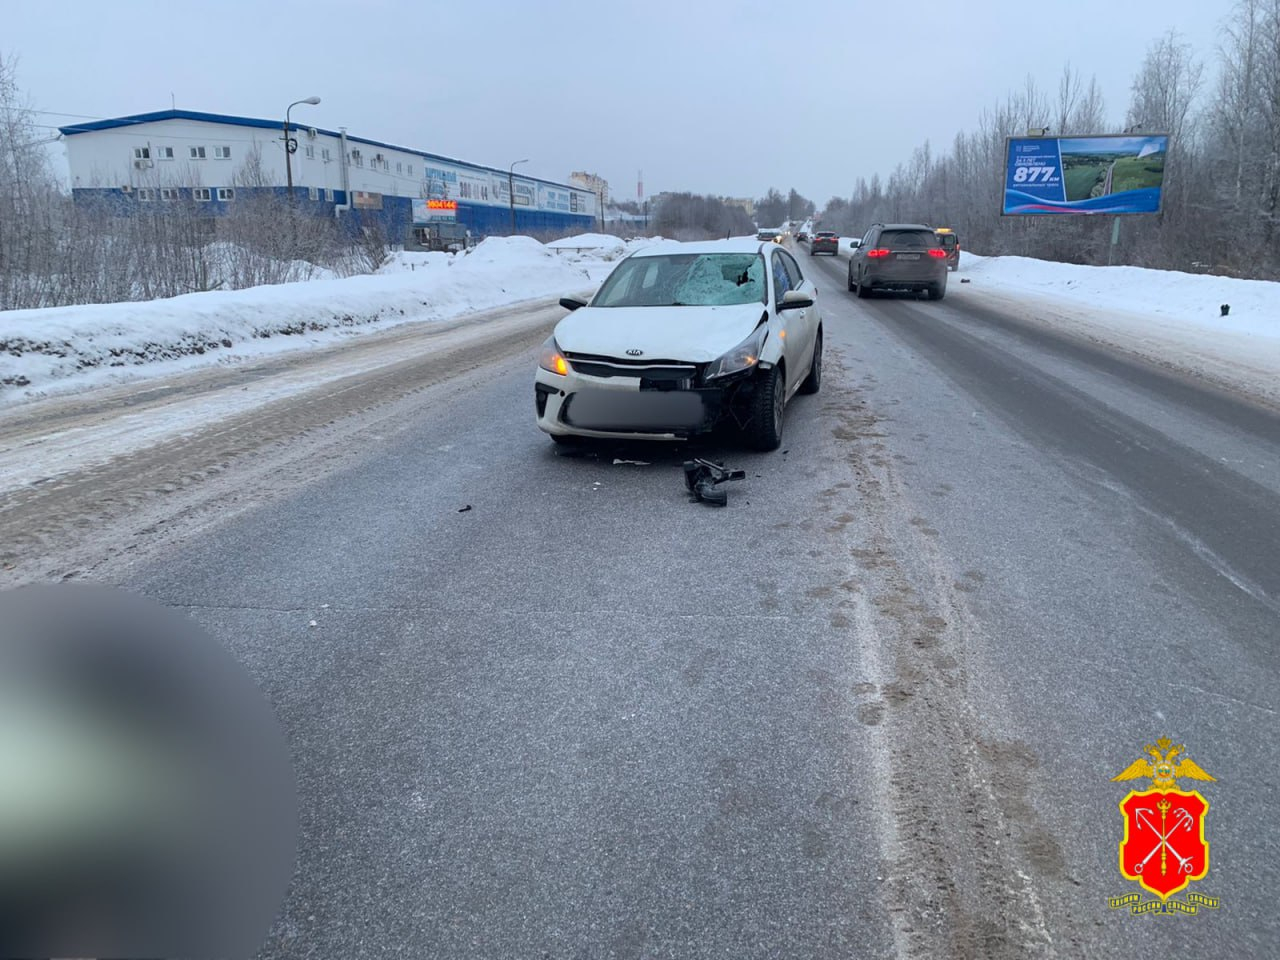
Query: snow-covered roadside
x,y
1169,317
44,352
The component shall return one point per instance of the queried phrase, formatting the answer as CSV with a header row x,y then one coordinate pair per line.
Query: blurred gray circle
x,y
147,803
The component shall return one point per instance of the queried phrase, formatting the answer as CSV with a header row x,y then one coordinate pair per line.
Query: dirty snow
x,y
70,348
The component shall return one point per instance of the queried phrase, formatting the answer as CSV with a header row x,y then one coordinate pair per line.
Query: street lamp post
x,y
511,191
288,143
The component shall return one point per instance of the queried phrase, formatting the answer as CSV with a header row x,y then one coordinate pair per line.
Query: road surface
x,y
872,708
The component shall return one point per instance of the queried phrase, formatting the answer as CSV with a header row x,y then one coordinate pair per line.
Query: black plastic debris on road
x,y
703,479
464,509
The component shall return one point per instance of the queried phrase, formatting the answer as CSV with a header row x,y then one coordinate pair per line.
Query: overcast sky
x,y
714,96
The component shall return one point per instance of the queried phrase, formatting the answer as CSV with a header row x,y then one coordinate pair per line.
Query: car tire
x,y
560,440
937,291
768,407
852,285
813,382
864,291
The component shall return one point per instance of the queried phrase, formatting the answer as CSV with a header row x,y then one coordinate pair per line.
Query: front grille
x,y
659,371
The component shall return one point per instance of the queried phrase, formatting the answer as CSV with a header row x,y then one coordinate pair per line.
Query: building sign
x,y
425,211
1108,174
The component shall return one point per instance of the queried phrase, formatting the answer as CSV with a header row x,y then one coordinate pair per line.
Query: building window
x,y
197,153
411,169
222,153
398,166
169,193
355,155
146,194
226,193
200,193
328,194
324,154
311,152
313,193
142,153
164,153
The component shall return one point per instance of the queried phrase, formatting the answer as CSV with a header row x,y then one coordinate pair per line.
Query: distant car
x,y
950,241
899,256
824,241
773,234
681,338
802,235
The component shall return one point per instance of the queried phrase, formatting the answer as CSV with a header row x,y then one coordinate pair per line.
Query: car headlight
x,y
552,359
742,357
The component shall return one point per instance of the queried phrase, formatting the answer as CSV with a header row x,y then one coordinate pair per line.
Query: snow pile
x,y
1185,300
59,347
585,241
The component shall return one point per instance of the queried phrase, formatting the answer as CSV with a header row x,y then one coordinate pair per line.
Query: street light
x,y
289,145
511,191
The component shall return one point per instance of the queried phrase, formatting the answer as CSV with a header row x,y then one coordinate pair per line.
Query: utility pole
x,y
511,191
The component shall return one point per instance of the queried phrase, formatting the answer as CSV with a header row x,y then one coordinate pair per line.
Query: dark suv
x,y
824,242
899,256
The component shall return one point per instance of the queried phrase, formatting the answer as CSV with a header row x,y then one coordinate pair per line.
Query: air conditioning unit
x,y
126,189
141,164
312,132
377,158
355,154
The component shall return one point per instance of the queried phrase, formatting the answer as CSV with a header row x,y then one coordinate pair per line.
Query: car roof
x,y
732,245
905,226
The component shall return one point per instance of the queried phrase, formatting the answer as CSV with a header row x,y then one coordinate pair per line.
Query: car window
x,y
908,239
781,279
949,239
684,279
793,270
866,240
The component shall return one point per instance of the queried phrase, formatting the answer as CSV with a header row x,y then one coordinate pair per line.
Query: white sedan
x,y
679,338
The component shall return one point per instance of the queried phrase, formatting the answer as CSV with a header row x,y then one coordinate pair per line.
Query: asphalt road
x,y
871,708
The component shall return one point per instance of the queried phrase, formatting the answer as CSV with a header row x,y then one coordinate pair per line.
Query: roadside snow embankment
x,y
59,348
1168,316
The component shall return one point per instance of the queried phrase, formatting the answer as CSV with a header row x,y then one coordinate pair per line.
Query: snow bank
x,y
70,347
582,241
1187,300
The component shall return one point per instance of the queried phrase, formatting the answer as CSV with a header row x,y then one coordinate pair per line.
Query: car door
x,y
800,325
860,254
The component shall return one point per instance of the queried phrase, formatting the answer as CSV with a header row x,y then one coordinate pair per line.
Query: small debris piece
x,y
964,279
465,509
1225,308
702,478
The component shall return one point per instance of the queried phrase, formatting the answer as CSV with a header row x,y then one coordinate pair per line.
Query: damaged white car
x,y
680,338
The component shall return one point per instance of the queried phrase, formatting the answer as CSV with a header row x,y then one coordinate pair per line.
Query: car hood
x,y
691,334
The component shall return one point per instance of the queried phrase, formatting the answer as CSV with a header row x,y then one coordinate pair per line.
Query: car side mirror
x,y
572,303
855,244
795,300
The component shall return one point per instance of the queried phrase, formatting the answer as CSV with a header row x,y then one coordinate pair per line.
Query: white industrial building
x,y
211,158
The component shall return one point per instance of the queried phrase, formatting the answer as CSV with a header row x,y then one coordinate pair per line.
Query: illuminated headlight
x,y
742,357
552,359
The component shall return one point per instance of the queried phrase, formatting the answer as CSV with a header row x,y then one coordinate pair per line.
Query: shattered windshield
x,y
685,280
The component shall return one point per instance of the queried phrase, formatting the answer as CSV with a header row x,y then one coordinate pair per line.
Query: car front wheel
x,y
764,431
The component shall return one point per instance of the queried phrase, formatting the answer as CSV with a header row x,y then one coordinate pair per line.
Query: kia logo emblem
x,y
635,353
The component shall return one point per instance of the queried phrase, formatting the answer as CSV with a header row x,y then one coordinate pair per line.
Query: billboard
x,y
1108,174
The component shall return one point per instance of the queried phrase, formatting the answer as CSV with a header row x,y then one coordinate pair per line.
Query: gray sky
x,y
712,96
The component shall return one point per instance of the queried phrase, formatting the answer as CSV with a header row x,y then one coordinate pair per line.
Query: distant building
x,y
589,181
747,205
217,161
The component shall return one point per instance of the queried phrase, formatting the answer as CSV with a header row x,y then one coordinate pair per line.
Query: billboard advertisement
x,y
1108,174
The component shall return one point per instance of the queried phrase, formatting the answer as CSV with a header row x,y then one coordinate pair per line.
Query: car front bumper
x,y
577,405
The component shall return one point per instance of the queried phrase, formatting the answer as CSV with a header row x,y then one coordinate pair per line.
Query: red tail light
x,y
938,254
880,252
